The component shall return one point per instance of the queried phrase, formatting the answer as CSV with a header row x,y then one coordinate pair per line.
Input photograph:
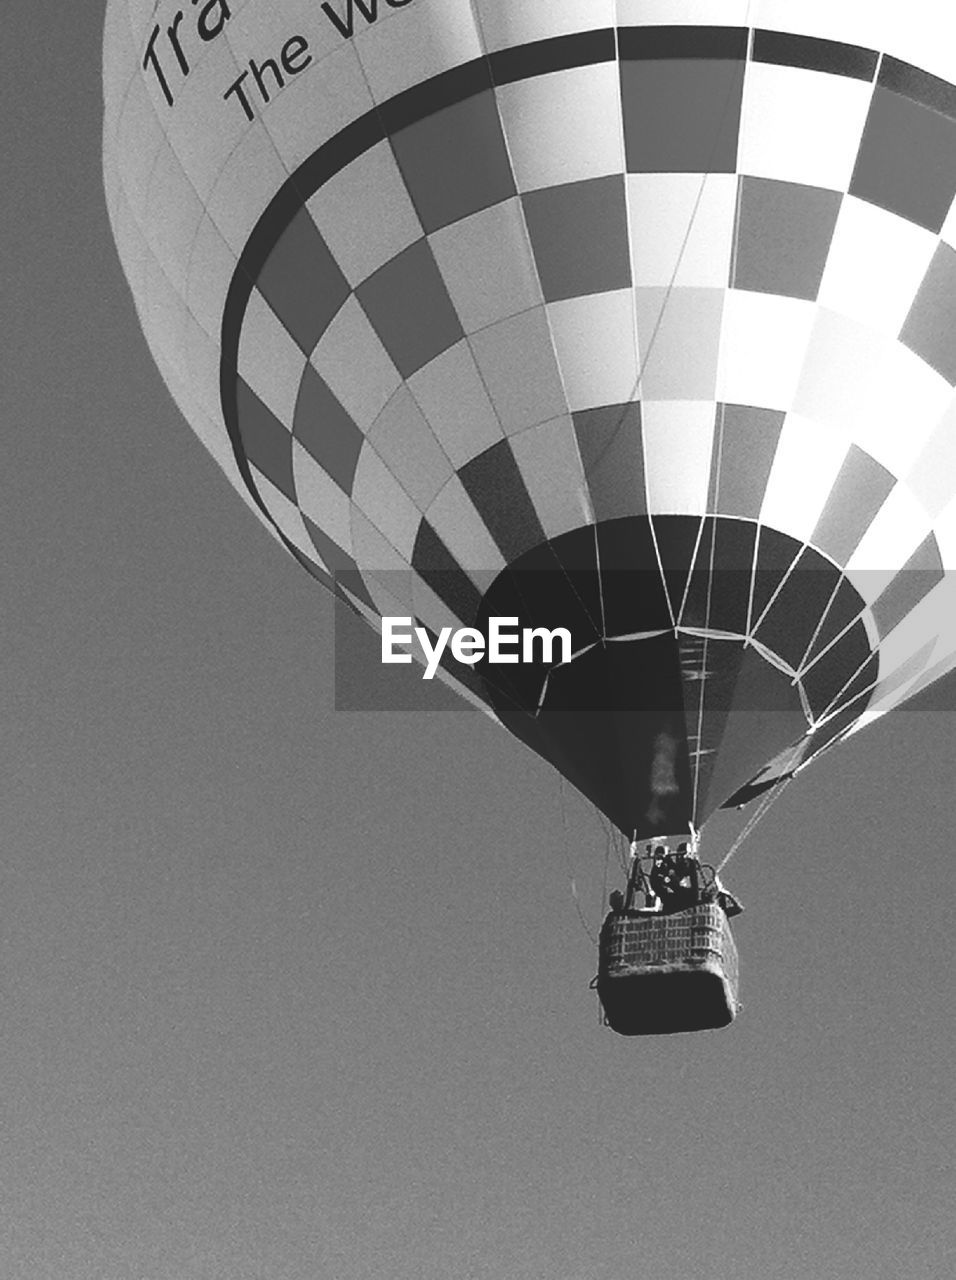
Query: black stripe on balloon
x,y
716,43
917,85
560,53
813,54
441,91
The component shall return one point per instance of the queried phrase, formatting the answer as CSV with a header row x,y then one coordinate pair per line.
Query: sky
x,y
291,992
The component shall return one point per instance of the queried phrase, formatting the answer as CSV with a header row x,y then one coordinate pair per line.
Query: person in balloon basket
x,y
680,884
674,883
675,878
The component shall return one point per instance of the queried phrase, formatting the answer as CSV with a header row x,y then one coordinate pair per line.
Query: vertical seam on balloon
x,y
148,182
717,449
531,258
245,472
465,336
365,443
636,395
599,629
777,589
353,507
676,614
645,357
694,213
206,214
754,624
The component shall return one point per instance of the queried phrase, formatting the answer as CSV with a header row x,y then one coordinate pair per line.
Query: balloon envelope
x,y
614,316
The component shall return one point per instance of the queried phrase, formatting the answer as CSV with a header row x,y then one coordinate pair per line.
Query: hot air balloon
x,y
612,315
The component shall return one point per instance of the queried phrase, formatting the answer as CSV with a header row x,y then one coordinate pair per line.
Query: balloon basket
x,y
660,974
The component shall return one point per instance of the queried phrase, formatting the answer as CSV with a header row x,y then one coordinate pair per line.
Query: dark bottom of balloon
x,y
658,975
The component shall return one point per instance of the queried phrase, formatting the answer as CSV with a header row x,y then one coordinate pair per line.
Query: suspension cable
x,y
566,848
766,804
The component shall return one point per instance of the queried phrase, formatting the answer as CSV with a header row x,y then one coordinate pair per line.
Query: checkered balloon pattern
x,y
609,314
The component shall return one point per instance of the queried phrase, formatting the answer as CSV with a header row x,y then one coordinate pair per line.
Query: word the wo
x,y
469,645
170,49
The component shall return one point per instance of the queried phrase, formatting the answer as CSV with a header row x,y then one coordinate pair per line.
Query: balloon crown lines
x,y
172,44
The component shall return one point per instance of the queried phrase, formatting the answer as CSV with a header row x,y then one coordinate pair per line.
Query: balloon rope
x,y
581,916
708,607
608,849
766,804
570,867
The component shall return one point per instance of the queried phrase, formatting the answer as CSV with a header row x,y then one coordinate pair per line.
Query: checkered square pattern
x,y
474,236
562,266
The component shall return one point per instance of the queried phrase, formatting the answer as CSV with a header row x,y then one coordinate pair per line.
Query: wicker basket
x,y
664,973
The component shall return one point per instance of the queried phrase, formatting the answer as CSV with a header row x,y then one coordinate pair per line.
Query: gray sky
x,y
289,992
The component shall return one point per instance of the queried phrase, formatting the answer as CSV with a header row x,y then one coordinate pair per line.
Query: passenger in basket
x,y
675,879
